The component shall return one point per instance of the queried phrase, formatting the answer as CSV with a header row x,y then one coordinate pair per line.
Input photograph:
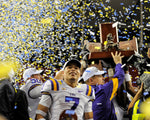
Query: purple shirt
x,y
103,108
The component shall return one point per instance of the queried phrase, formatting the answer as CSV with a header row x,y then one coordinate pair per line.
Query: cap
x,y
29,72
72,61
90,72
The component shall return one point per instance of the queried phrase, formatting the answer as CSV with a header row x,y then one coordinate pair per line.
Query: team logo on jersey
x,y
99,103
80,91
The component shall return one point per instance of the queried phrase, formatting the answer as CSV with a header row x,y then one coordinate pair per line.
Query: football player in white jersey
x,y
66,99
32,88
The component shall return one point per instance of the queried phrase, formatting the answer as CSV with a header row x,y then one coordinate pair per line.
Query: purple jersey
x,y
103,108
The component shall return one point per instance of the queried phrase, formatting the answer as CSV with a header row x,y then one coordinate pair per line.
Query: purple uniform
x,y
103,108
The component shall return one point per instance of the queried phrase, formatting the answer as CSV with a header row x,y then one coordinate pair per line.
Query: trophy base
x,y
107,54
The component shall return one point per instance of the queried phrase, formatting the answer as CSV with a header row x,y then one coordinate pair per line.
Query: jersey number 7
x,y
69,99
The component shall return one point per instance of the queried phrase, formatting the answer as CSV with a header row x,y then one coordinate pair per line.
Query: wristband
x,y
40,112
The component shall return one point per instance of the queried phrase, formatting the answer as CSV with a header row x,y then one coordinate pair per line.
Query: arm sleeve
x,y
111,87
88,107
50,85
46,100
119,74
35,92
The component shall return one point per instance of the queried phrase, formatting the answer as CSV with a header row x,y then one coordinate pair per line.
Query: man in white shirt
x,y
32,88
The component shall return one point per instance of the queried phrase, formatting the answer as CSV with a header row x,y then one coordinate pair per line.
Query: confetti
x,y
44,34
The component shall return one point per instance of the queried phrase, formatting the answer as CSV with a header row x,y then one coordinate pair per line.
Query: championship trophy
x,y
109,42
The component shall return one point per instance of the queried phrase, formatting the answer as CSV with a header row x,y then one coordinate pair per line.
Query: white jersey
x,y
32,89
65,97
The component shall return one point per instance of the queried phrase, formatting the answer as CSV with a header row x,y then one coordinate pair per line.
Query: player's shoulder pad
x,y
52,85
88,90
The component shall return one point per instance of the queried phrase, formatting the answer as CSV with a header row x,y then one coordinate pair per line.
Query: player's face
x,y
99,79
72,72
37,76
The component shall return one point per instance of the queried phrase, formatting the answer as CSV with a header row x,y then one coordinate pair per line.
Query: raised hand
x,y
117,57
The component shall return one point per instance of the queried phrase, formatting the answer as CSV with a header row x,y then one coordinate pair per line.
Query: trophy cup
x,y
109,42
